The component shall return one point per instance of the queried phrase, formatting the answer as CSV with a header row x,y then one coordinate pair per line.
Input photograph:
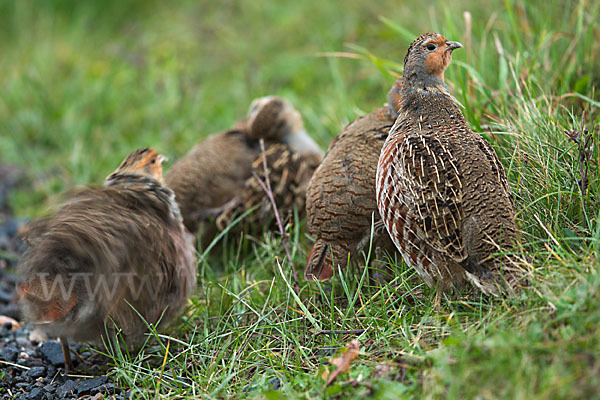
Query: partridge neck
x,y
153,187
426,95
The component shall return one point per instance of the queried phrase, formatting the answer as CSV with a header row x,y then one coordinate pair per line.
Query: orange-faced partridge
x,y
340,200
211,178
108,254
441,190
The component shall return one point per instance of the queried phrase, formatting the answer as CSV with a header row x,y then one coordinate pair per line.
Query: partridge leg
x,y
66,354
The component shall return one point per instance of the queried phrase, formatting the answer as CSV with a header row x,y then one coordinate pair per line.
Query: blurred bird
x,y
441,190
216,177
109,254
341,195
288,173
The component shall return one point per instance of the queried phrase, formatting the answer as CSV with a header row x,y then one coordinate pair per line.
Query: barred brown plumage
x,y
341,195
289,173
215,171
441,190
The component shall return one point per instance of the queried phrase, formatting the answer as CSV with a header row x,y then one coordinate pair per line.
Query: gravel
x,y
29,368
37,372
52,351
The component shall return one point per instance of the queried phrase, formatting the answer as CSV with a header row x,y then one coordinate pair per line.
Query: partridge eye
x,y
431,47
153,161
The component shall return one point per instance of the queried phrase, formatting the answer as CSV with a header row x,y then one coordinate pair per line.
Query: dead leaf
x,y
344,361
5,320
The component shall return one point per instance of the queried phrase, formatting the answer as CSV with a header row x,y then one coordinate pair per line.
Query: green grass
x,y
83,84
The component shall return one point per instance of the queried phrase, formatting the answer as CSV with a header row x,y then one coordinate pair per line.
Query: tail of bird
x,y
495,276
323,259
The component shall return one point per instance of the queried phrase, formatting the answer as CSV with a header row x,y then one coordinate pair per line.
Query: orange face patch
x,y
437,60
152,163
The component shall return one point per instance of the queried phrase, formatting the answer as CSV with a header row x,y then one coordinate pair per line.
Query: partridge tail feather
x,y
316,264
494,277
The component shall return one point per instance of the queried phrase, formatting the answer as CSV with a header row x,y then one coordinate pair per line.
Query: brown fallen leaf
x,y
344,361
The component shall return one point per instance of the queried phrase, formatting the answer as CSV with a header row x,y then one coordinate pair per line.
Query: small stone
x,y
67,389
86,387
9,353
51,371
36,394
37,372
107,388
49,389
52,350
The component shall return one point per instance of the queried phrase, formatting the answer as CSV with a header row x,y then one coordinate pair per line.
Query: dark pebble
x,y
86,386
107,388
36,394
274,384
23,342
9,353
328,350
67,389
22,385
51,371
37,372
49,389
52,350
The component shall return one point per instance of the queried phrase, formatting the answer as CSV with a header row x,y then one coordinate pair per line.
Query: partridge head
x,y
442,192
108,256
275,120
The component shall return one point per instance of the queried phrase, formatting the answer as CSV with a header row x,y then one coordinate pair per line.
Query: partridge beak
x,y
162,159
453,46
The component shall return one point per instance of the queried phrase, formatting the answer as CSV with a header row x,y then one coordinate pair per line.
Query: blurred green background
x,y
85,82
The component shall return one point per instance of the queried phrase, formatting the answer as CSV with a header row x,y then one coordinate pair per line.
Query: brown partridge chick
x,y
108,254
340,200
210,174
441,190
288,173
210,179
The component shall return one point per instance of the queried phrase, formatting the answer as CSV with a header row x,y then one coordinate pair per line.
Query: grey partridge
x,y
341,201
109,254
441,190
210,178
